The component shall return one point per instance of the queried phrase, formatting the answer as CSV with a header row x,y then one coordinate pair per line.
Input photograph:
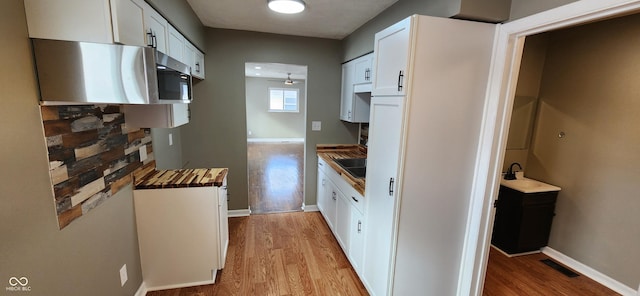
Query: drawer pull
x,y
354,199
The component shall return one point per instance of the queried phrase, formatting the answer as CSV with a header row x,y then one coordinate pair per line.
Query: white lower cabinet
x,y
182,235
343,221
342,208
356,247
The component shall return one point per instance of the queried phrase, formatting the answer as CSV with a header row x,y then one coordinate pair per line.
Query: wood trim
x,y
495,124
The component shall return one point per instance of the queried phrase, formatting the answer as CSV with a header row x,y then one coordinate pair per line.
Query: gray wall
x,y
182,17
361,41
85,257
216,135
590,90
167,157
265,124
522,8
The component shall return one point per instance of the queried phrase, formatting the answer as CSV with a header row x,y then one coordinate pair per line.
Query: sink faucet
x,y
511,175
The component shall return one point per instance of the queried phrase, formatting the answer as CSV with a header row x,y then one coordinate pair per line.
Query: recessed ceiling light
x,y
257,67
258,74
286,6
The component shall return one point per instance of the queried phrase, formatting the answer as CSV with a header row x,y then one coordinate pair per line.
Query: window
x,y
283,100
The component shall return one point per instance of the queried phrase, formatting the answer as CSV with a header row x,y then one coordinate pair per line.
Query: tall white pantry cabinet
x,y
429,83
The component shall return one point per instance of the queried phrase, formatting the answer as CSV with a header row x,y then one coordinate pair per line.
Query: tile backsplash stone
x,y
91,155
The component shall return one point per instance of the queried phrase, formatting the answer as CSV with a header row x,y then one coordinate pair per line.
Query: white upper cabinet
x,y
60,20
101,21
129,22
391,48
194,59
346,99
156,28
362,69
356,89
127,17
176,44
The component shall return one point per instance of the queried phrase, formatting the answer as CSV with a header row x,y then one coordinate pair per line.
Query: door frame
x,y
507,54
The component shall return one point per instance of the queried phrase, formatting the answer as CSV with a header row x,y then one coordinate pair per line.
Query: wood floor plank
x,y
527,275
280,254
276,177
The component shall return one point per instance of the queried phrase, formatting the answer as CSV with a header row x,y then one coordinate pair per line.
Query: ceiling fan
x,y
288,81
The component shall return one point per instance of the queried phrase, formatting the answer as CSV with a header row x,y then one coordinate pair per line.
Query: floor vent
x,y
559,268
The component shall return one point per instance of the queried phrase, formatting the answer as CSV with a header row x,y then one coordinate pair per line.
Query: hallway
x,y
276,177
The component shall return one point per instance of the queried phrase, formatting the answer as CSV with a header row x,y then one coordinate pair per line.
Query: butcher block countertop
x,y
156,179
329,152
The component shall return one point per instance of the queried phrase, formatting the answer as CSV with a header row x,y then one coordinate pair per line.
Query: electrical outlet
x,y
170,139
123,275
316,125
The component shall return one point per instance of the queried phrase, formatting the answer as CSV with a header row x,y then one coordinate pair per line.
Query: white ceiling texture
x,y
333,19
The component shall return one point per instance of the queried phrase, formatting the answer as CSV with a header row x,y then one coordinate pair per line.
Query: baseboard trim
x,y
239,213
142,290
193,284
310,208
593,274
275,140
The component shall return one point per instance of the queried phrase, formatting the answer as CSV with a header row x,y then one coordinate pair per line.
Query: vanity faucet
x,y
511,175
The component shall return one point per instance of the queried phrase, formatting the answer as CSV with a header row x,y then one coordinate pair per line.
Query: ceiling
x,y
275,70
334,19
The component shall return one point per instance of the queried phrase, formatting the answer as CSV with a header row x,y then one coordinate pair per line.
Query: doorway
x,y
575,129
276,131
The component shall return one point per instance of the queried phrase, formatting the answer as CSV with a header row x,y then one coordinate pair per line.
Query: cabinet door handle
x,y
198,67
391,181
349,116
367,74
359,226
400,78
324,182
333,195
150,38
355,199
155,41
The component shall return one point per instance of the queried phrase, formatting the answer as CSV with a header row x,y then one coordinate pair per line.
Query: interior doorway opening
x,y
276,132
579,97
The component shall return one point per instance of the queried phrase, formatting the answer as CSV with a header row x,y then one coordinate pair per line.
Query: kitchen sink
x,y
357,167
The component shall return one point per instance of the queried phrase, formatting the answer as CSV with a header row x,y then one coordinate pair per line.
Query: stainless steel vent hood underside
x,y
86,73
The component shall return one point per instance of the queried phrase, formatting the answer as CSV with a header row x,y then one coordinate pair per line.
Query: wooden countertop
x,y
156,179
330,152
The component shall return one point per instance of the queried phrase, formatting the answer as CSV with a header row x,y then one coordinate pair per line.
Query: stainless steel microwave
x,y
71,72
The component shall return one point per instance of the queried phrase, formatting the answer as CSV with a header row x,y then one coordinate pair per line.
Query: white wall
x,y
264,124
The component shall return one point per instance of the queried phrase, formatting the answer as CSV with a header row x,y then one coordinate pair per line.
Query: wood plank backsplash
x,y
91,155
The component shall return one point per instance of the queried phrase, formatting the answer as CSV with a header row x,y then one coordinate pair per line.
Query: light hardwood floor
x,y
296,254
526,275
280,254
276,177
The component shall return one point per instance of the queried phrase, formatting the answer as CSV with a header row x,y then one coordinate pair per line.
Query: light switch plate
x,y
316,125
143,153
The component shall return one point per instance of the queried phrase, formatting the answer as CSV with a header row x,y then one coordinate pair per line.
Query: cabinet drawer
x,y
543,198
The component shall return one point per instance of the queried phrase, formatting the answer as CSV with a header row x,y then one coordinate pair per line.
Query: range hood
x,y
71,73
